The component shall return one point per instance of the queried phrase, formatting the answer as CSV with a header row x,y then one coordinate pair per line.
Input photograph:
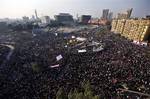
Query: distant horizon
x,y
16,9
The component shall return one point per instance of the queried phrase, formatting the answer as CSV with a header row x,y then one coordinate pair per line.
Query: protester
x,y
121,64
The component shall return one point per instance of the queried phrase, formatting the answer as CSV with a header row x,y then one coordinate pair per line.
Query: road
x,y
8,56
10,52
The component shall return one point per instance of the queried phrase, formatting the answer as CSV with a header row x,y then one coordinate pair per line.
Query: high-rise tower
x,y
105,13
129,12
36,16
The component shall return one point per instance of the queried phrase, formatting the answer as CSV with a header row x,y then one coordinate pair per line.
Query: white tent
x,y
82,51
55,66
81,39
95,49
59,57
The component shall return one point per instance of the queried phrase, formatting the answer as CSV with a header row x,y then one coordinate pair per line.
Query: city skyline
x,y
19,8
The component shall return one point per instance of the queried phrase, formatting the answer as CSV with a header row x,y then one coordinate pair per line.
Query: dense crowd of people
x,y
121,64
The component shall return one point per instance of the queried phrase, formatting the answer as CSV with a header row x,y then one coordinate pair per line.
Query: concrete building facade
x,y
85,19
64,18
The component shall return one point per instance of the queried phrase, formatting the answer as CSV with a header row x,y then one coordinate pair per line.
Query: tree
x,y
88,90
35,67
72,94
61,94
86,94
96,97
80,96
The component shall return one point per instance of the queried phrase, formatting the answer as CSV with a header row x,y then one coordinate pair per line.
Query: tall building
x,y
129,12
64,18
77,16
110,16
105,13
125,15
45,19
36,16
85,19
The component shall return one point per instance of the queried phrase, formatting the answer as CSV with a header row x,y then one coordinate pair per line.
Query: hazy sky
x,y
19,8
